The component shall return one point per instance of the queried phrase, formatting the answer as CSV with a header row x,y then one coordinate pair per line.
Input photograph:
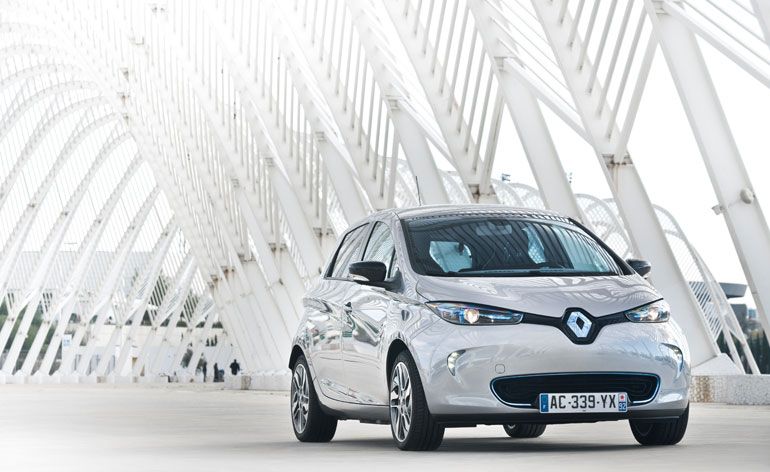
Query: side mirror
x,y
368,272
641,266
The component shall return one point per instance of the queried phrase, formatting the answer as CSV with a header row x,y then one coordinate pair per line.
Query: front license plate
x,y
583,403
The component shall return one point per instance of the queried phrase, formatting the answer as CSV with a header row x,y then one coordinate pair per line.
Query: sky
x,y
666,154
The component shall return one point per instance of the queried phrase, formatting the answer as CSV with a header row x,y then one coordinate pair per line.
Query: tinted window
x,y
500,246
380,247
347,251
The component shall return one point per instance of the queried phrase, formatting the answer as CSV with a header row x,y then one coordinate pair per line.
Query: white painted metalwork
x,y
178,171
737,202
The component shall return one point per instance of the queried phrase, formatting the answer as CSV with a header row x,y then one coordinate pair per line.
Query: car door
x,y
327,309
364,323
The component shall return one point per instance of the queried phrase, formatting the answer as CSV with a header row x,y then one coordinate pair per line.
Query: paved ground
x,y
140,428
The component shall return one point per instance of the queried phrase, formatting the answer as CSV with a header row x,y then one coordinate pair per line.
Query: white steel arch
x,y
176,170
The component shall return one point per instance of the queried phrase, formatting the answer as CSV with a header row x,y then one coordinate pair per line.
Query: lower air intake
x,y
524,390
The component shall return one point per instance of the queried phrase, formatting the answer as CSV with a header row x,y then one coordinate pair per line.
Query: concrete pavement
x,y
176,428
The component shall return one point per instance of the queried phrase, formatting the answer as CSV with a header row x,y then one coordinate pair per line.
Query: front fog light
x,y
451,361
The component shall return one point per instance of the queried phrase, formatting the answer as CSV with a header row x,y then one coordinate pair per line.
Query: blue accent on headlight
x,y
655,312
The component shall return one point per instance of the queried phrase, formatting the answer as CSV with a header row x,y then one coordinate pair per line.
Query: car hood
x,y
549,296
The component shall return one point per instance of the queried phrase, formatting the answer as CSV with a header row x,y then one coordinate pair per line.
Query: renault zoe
x,y
453,316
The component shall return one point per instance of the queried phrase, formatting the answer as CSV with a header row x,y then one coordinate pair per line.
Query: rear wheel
x,y
660,433
310,423
523,430
412,425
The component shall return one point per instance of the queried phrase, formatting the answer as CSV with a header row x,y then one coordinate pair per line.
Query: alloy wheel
x,y
400,401
300,398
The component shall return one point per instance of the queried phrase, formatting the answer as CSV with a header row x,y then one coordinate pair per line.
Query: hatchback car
x,y
451,316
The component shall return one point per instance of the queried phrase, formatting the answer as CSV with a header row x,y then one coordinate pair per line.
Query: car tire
x,y
660,433
407,397
523,430
309,421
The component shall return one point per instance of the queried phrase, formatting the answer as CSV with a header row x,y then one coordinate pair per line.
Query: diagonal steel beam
x,y
737,201
635,207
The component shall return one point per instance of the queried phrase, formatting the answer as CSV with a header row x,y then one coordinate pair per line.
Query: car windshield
x,y
504,246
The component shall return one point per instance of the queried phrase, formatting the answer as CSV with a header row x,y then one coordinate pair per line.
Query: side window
x,y
380,247
347,251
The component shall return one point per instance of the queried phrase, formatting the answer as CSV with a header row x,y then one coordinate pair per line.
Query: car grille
x,y
523,391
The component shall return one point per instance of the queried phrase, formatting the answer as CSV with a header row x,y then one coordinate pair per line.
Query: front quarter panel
x,y
408,318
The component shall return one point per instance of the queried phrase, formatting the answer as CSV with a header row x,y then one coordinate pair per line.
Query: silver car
x,y
449,316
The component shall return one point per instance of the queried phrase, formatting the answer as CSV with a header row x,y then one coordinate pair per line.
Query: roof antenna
x,y
419,195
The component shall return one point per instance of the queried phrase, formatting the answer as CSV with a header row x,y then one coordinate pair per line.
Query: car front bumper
x,y
492,352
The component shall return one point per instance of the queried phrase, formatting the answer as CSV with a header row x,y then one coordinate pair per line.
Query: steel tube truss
x,y
177,172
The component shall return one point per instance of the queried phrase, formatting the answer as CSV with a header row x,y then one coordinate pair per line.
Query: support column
x,y
530,124
411,133
538,146
762,11
418,154
199,339
636,209
735,193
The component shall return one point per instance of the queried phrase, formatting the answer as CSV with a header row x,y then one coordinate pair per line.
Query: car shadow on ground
x,y
483,445
495,444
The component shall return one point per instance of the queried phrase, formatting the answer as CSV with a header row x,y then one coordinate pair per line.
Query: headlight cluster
x,y
656,312
468,314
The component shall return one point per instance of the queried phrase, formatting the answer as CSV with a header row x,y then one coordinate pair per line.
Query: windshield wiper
x,y
524,273
450,273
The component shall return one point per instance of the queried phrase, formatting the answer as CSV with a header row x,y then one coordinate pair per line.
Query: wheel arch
x,y
395,348
296,351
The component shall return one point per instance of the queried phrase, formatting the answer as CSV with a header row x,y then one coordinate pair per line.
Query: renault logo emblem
x,y
579,324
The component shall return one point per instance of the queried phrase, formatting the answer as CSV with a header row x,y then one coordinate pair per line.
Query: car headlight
x,y
656,312
468,314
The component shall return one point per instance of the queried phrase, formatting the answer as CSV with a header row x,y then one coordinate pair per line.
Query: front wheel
x,y
522,430
412,425
660,433
309,421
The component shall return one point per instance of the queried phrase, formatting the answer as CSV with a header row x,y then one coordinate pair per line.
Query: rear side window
x,y
347,252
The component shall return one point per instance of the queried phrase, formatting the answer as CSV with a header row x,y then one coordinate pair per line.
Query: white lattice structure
x,y
168,167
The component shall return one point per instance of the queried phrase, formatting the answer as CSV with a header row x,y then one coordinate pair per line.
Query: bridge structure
x,y
174,171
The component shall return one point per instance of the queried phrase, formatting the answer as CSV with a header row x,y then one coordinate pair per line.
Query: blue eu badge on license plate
x,y
543,403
